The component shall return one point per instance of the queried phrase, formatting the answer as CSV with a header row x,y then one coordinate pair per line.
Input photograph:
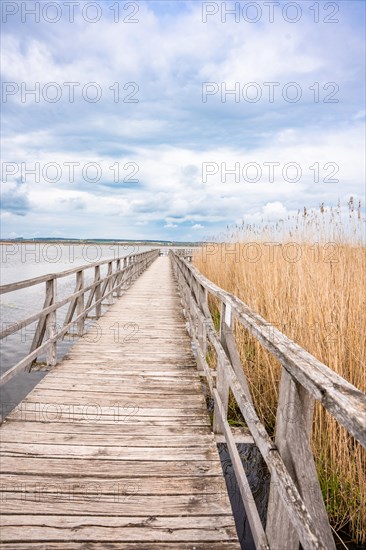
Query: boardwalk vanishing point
x,y
114,447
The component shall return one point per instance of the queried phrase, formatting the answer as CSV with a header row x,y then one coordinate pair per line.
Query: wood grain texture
x,y
296,510
343,400
121,545
125,529
113,448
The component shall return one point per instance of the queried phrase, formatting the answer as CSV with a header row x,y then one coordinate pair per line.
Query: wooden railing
x,y
296,511
121,272
186,252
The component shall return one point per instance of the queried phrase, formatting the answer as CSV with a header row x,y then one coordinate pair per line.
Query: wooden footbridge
x,y
114,447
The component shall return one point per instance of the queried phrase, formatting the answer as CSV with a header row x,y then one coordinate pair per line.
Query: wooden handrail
x,y
343,400
46,337
10,287
296,502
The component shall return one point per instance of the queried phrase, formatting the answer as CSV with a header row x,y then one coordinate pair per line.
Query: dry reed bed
x,y
315,294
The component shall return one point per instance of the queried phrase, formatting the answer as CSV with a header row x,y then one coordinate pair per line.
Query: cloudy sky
x,y
174,119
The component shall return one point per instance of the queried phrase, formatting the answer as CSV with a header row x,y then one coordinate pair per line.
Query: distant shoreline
x,y
98,241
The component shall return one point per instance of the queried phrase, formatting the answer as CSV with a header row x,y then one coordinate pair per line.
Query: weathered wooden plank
x,y
107,452
110,468
119,411
114,529
126,500
104,399
121,545
84,364
114,417
80,485
108,440
113,350
166,391
130,385
148,427
97,373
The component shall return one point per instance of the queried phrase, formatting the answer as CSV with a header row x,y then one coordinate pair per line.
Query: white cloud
x,y
170,133
274,211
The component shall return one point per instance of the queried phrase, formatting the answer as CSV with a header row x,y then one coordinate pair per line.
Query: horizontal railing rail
x,y
121,272
296,511
186,252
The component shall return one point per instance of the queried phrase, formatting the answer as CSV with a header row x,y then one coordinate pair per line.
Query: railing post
x,y
222,386
131,263
228,342
110,300
80,302
293,429
137,267
124,274
225,323
98,307
202,335
222,380
41,328
119,278
51,322
201,321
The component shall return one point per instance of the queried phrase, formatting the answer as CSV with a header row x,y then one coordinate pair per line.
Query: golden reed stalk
x,y
309,283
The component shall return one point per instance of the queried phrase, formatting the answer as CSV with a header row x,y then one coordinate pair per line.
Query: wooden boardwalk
x,y
113,448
